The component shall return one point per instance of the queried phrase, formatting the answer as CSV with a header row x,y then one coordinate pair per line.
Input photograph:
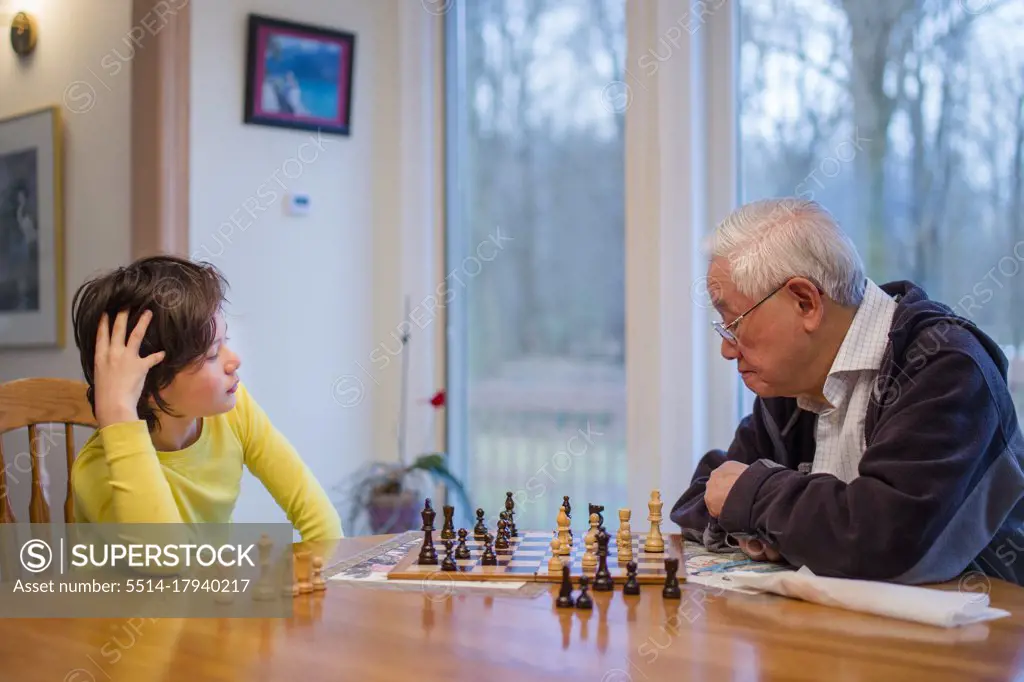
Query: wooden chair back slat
x,y
28,403
6,513
69,446
38,508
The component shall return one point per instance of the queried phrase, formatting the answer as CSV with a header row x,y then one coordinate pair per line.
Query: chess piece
x,y
584,601
508,526
265,546
625,532
603,578
510,507
555,562
480,530
568,512
590,541
428,555
632,586
625,551
462,551
671,589
448,529
564,539
319,583
286,575
597,509
565,599
655,542
264,590
449,561
501,542
624,539
489,558
303,572
504,534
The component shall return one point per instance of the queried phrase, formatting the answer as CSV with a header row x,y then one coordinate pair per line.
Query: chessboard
x,y
527,559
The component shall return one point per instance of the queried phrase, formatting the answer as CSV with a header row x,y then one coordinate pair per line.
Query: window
x,y
535,230
906,120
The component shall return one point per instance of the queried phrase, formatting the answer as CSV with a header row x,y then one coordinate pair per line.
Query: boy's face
x,y
208,388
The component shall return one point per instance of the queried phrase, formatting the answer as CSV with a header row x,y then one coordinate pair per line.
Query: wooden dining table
x,y
364,634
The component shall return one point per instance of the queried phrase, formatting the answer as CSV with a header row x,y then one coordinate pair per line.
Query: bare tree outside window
x,y
545,329
905,118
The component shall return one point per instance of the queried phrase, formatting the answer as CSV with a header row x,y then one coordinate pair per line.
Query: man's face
x,y
773,342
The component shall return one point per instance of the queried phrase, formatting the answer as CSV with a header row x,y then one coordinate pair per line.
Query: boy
x,y
176,425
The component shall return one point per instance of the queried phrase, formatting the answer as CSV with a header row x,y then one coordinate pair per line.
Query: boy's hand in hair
x,y
119,372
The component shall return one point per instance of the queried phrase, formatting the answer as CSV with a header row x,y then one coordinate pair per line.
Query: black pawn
x,y
449,563
603,578
462,552
584,601
489,558
565,600
480,530
502,541
671,589
631,586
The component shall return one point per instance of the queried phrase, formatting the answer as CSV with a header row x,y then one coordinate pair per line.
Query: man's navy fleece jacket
x,y
940,485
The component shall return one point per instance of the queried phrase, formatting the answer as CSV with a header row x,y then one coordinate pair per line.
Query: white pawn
x,y
555,562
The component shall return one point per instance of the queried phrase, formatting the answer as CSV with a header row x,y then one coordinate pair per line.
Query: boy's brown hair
x,y
184,297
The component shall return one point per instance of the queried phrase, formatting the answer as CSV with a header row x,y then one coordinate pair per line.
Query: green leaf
x,y
429,462
436,464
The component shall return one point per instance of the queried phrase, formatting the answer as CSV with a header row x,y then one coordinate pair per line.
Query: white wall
x,y
74,38
312,296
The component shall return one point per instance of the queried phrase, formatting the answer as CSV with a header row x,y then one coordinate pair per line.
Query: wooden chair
x,y
28,403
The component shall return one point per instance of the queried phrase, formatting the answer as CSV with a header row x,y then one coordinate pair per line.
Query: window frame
x,y
683,398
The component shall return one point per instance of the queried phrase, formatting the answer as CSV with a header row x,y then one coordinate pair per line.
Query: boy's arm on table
x,y
119,480
276,463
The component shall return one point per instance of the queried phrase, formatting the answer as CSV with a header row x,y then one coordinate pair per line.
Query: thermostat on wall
x,y
298,203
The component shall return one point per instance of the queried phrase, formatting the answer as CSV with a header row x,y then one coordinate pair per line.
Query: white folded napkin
x,y
906,602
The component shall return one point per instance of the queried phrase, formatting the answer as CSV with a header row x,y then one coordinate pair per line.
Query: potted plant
x,y
387,497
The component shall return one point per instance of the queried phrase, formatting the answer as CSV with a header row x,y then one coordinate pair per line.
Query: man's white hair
x,y
768,241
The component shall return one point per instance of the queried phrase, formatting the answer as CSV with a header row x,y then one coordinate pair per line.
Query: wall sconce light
x,y
24,33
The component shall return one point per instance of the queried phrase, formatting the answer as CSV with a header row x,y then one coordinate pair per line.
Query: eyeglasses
x,y
726,330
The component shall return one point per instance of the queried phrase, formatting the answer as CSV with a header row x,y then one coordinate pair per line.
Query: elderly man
x,y
883,443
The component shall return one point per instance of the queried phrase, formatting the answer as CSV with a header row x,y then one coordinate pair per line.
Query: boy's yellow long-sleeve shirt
x,y
120,477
